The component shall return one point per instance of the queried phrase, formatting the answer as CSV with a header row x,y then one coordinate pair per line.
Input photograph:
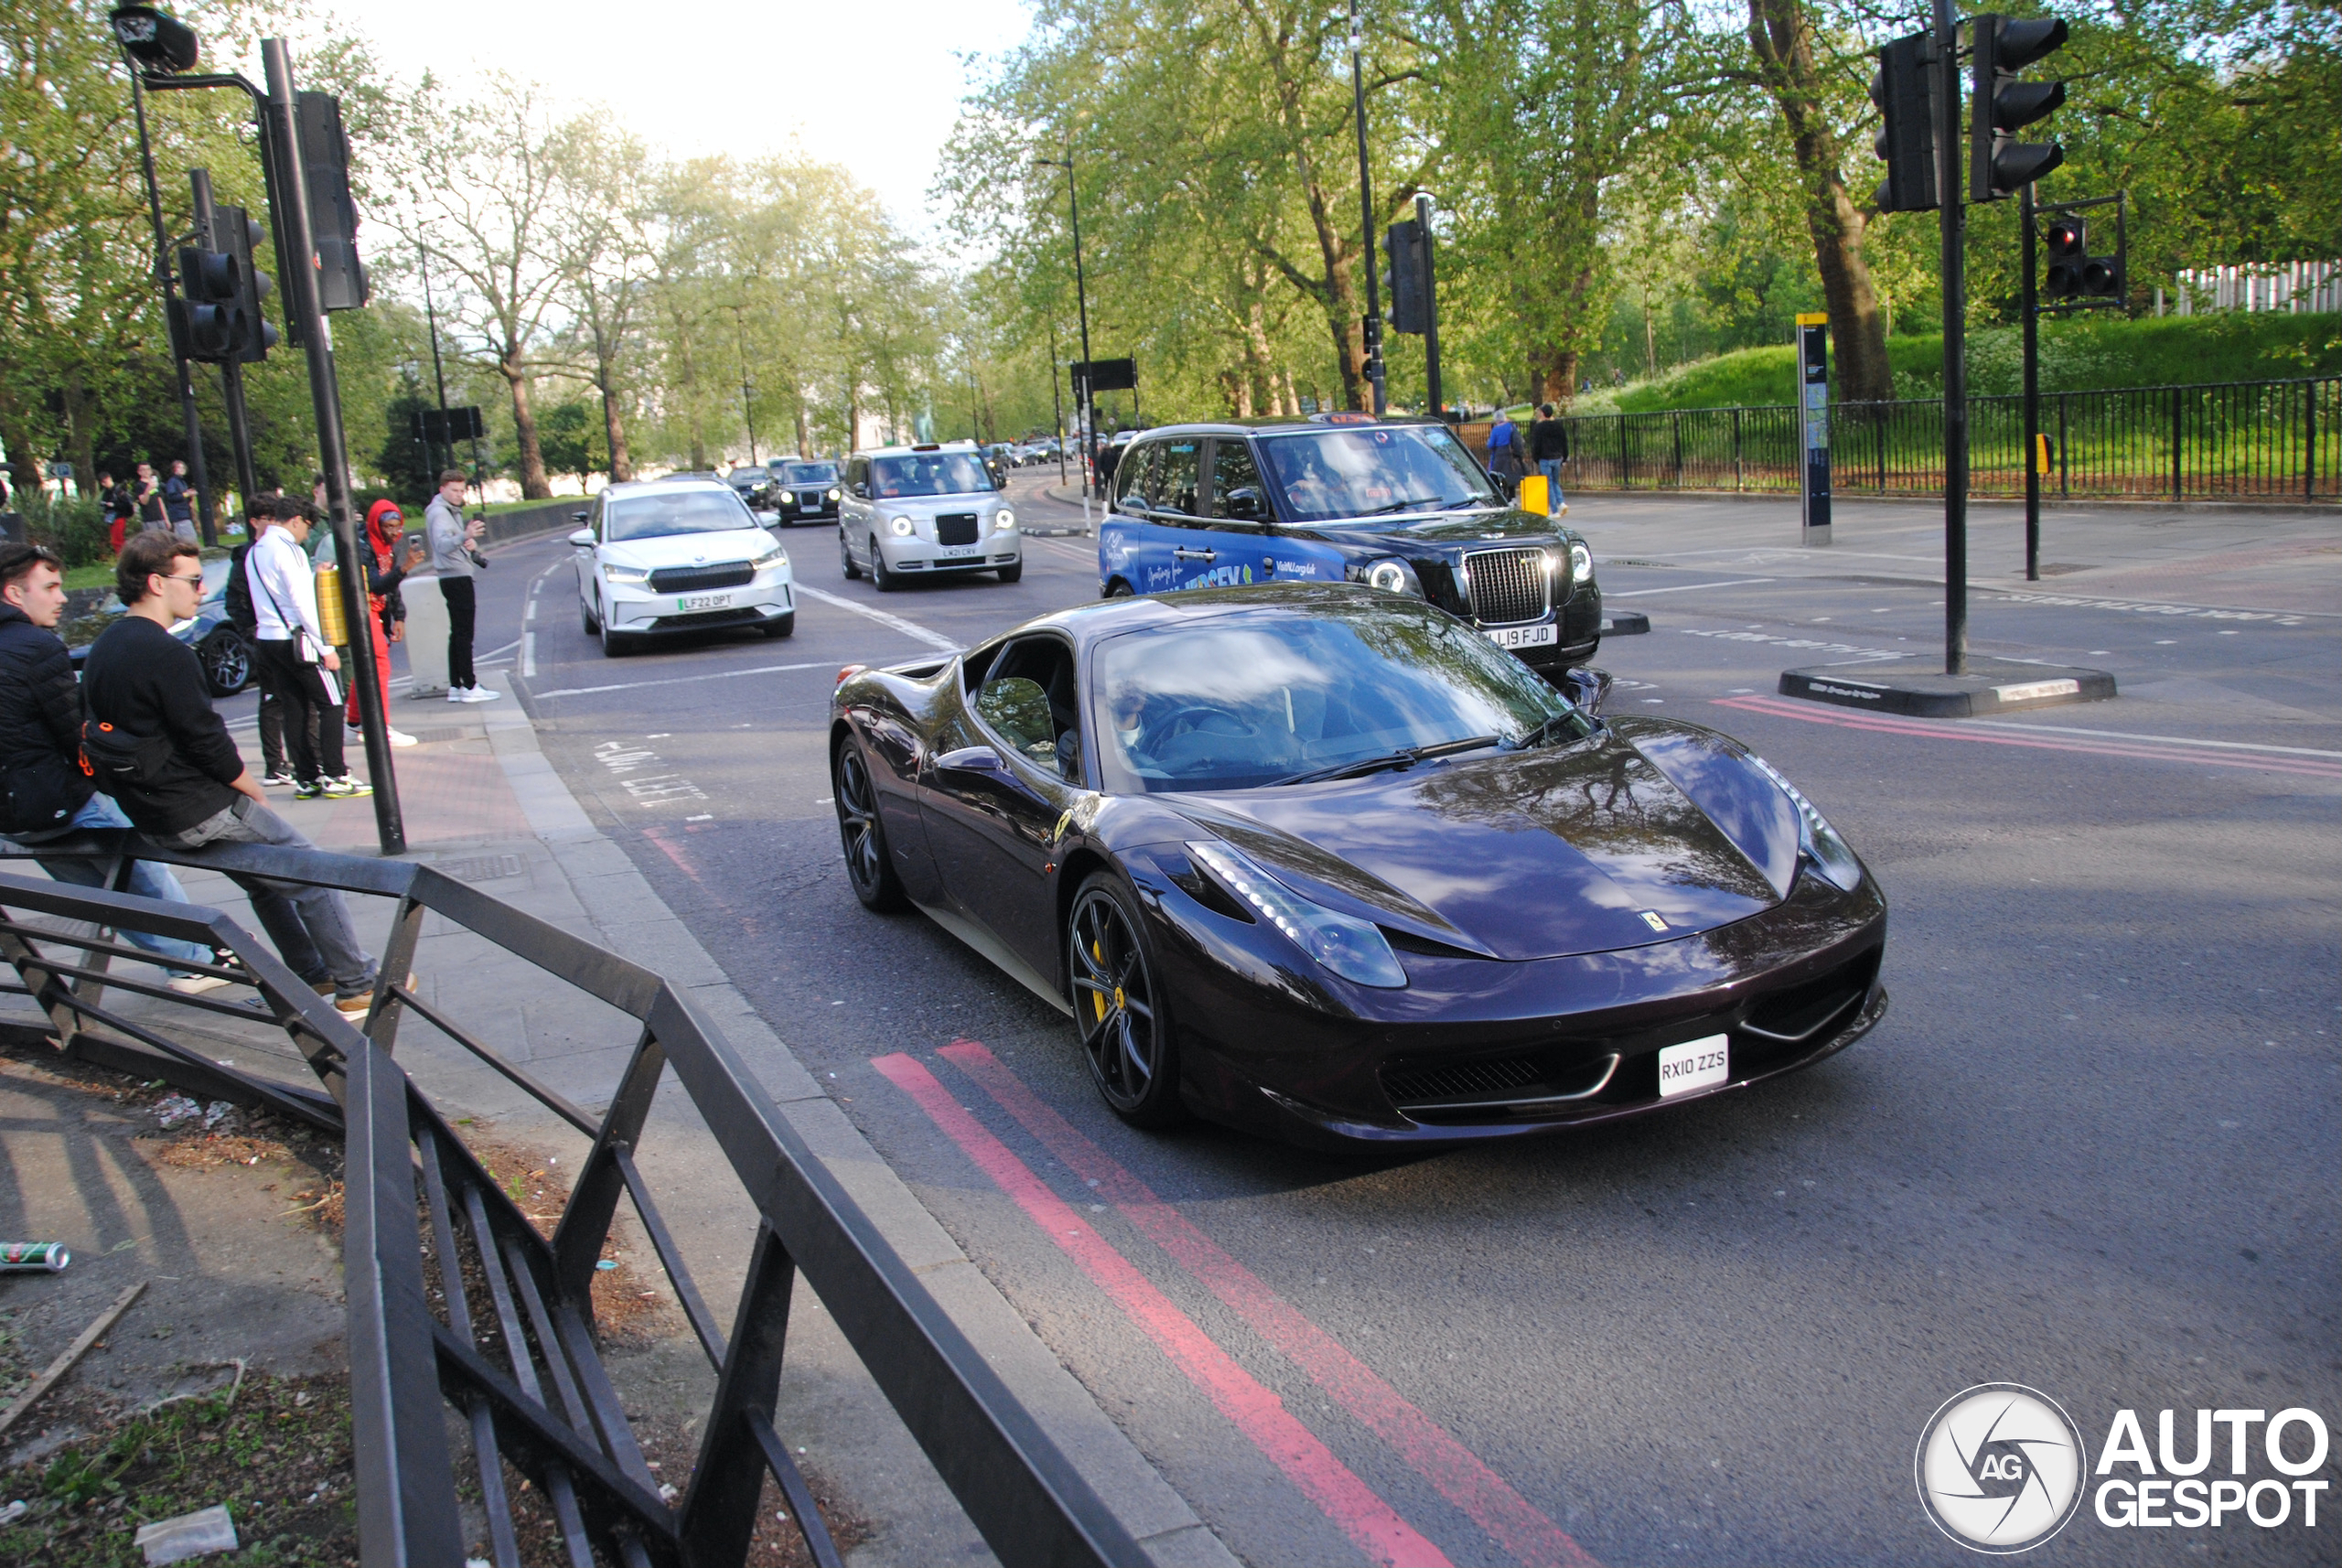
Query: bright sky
x,y
873,86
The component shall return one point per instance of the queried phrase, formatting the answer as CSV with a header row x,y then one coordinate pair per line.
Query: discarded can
x,y
30,1256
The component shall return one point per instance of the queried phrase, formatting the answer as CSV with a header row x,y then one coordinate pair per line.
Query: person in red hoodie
x,y
386,606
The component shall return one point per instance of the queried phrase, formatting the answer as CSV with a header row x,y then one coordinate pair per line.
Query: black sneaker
x,y
310,790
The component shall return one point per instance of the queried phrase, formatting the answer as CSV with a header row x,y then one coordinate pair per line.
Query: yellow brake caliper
x,y
1098,998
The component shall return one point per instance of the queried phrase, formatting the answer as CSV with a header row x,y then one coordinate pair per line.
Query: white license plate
x,y
961,549
703,602
1694,1065
1524,635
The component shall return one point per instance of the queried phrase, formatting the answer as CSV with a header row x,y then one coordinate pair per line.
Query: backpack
x,y
238,602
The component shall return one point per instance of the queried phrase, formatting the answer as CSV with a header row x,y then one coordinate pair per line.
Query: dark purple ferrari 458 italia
x,y
1321,862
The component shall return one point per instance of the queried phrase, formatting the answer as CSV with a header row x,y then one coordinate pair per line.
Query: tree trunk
x,y
25,470
81,439
804,436
1782,36
613,425
533,484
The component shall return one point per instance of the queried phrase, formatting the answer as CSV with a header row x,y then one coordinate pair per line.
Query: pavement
x,y
2089,1150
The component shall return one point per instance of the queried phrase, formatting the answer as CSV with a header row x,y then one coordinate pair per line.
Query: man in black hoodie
x,y
43,794
176,771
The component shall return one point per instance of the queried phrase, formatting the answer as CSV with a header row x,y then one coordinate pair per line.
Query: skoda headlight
x,y
1356,950
774,555
627,574
1581,563
1003,520
1817,841
1393,576
899,526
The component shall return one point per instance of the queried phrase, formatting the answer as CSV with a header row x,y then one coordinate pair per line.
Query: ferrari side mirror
x,y
970,759
1589,689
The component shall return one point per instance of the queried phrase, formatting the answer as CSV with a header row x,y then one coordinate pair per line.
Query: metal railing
x,y
510,1344
2232,440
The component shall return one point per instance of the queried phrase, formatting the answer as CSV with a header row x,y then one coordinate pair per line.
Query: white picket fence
x,y
2295,287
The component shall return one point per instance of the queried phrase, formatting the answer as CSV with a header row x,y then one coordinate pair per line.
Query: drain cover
x,y
482,868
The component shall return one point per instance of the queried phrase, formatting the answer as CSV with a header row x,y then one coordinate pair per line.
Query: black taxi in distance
x,y
1397,504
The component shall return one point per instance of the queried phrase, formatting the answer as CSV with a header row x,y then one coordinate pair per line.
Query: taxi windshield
x,y
808,473
1373,470
927,474
678,512
1244,701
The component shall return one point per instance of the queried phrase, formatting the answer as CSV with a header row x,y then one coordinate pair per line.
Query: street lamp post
x,y
1370,338
1056,403
1085,400
748,392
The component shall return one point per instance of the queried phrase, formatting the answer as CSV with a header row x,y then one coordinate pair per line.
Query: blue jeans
x,y
310,926
148,879
1552,468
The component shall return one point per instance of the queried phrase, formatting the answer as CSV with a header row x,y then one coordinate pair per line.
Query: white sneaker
x,y
481,695
455,694
400,738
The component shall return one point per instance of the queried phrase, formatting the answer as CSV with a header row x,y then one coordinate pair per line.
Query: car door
x,y
1239,540
853,507
1198,559
1131,546
996,794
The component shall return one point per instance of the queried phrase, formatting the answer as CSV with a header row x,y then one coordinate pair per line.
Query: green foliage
x,y
75,528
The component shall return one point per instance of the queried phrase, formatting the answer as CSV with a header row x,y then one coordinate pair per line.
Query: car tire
x,y
615,644
886,581
781,626
1118,590
861,834
586,619
845,558
1010,573
226,661
1118,1007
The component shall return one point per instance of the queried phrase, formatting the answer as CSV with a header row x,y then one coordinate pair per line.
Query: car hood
x,y
721,549
1439,529
1532,854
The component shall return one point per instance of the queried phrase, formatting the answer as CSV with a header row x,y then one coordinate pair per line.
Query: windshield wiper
x,y
1543,732
1405,757
1419,501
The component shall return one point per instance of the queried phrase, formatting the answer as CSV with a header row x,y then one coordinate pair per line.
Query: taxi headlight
x,y
1004,521
834,495
1581,563
899,526
1393,577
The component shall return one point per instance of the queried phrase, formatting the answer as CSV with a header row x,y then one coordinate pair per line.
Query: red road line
x,y
1353,1506
1885,723
1459,1474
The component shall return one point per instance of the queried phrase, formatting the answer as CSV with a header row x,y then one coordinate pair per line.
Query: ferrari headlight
x,y
899,526
1581,563
1817,841
625,574
1393,576
1356,950
1003,520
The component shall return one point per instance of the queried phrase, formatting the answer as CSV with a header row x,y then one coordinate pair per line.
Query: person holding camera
x,y
456,557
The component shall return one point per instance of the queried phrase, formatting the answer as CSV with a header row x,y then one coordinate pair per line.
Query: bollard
x,y
426,638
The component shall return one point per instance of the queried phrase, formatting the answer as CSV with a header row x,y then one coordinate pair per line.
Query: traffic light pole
x,y
1951,186
1370,334
1430,318
2029,309
300,270
231,369
180,366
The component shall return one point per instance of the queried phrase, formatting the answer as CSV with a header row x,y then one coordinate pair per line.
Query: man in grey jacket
x,y
456,561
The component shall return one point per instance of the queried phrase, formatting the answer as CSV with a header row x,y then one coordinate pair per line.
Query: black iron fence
x,y
2235,440
456,1298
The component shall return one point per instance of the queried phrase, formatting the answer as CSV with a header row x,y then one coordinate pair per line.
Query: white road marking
x,y
496,653
911,629
529,614
1684,587
675,681
528,651
2159,740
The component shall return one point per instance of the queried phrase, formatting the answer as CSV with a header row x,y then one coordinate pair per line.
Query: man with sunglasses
x,y
169,761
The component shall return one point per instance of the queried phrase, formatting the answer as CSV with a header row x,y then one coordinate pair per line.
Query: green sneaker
x,y
345,786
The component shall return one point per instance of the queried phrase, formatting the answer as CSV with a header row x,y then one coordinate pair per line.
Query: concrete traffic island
x,y
1924,691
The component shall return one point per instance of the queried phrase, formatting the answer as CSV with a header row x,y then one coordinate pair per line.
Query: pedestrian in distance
x,y
146,495
276,772
47,795
179,502
113,504
295,659
456,559
157,742
385,603
1504,452
1549,448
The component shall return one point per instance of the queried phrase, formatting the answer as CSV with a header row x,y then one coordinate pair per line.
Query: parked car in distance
x,y
755,486
805,490
924,510
1397,504
672,555
219,648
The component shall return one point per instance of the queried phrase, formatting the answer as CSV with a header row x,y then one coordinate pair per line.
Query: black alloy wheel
x,y
1118,1009
845,557
862,835
226,661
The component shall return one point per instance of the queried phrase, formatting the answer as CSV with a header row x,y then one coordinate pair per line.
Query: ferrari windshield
x,y
678,512
1250,699
1371,470
808,473
927,474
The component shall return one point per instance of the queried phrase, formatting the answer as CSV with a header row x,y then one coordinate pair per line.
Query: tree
x,y
601,234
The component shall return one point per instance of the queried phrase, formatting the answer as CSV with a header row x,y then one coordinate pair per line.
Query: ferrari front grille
x,y
1507,585
956,527
698,579
1469,1089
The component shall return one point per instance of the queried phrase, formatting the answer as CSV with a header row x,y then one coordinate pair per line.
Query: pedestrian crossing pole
x,y
1813,425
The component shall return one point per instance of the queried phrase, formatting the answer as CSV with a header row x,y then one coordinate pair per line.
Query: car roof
x,y
668,484
1089,623
906,451
1289,424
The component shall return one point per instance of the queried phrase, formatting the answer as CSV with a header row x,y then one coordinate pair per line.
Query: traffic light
x,y
2074,273
333,216
236,233
209,322
1999,165
1407,279
1904,90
